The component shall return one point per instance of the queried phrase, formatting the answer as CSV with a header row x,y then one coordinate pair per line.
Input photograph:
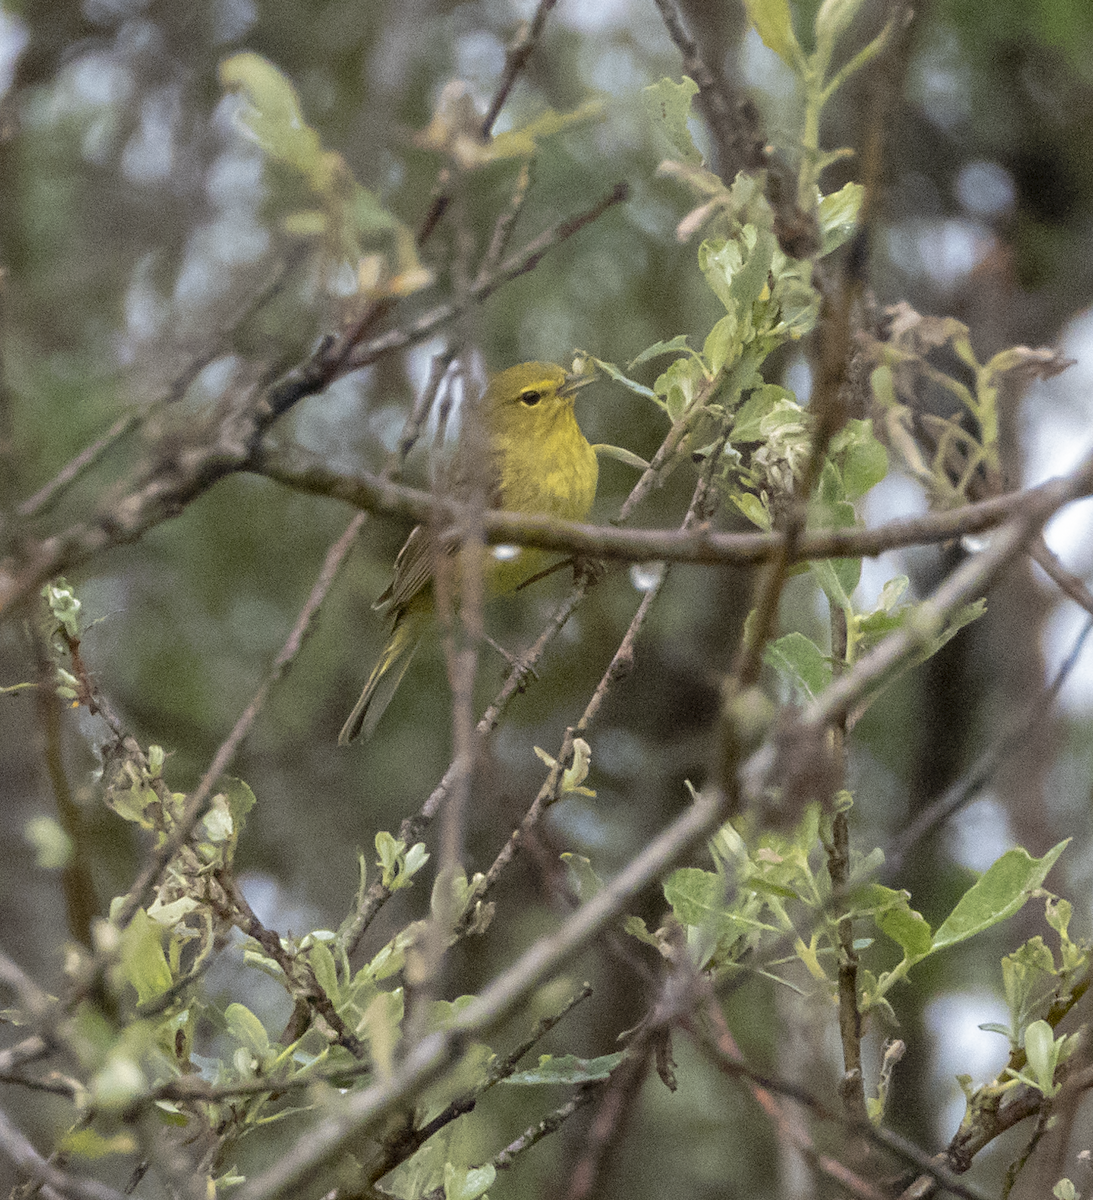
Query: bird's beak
x,y
573,383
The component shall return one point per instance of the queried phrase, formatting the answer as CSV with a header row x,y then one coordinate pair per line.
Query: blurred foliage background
x,y
136,225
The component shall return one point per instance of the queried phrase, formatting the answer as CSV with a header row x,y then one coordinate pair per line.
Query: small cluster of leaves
x,y
773,22
355,229
368,250
766,892
902,368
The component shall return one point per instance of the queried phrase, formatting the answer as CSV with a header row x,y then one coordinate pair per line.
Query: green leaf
x,y
523,142
748,422
1042,1051
679,385
678,343
774,24
247,1030
754,509
613,372
52,846
738,270
722,343
864,460
838,216
838,577
240,800
668,105
87,1143
800,663
999,893
637,928
908,928
582,879
143,963
272,115
621,454
567,1070
326,973
467,1183
1029,979
694,894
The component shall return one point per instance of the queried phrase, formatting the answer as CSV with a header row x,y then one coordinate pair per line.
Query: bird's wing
x,y
413,570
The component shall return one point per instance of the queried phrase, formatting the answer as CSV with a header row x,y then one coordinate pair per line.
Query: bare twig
x,y
967,583
87,457
516,58
231,444
1008,742
736,128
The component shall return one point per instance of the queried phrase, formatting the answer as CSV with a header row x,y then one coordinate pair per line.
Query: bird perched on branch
x,y
533,459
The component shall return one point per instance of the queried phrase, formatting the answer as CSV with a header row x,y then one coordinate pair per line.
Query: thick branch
x,y
699,545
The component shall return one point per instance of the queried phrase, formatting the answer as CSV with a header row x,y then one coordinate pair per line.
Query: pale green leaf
x,y
567,1070
668,105
999,893
774,24
800,663
143,962
246,1029
621,454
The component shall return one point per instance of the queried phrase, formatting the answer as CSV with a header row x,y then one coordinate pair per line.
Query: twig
x,y
513,267
28,1050
401,1147
1007,743
412,828
233,444
300,980
721,1048
617,1099
516,58
967,583
91,454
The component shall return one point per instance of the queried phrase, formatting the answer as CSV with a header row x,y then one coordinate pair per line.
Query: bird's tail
x,y
386,676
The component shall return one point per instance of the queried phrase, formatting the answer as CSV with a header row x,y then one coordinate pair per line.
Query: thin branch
x,y
516,58
735,125
87,457
400,1148
412,828
721,1049
513,267
968,582
1010,741
231,444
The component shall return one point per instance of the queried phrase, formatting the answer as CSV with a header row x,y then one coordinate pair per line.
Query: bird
x,y
533,459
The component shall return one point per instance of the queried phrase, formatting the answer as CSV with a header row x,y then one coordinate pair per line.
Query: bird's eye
x,y
531,397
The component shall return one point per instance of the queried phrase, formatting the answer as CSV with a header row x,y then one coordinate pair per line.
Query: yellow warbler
x,y
536,461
